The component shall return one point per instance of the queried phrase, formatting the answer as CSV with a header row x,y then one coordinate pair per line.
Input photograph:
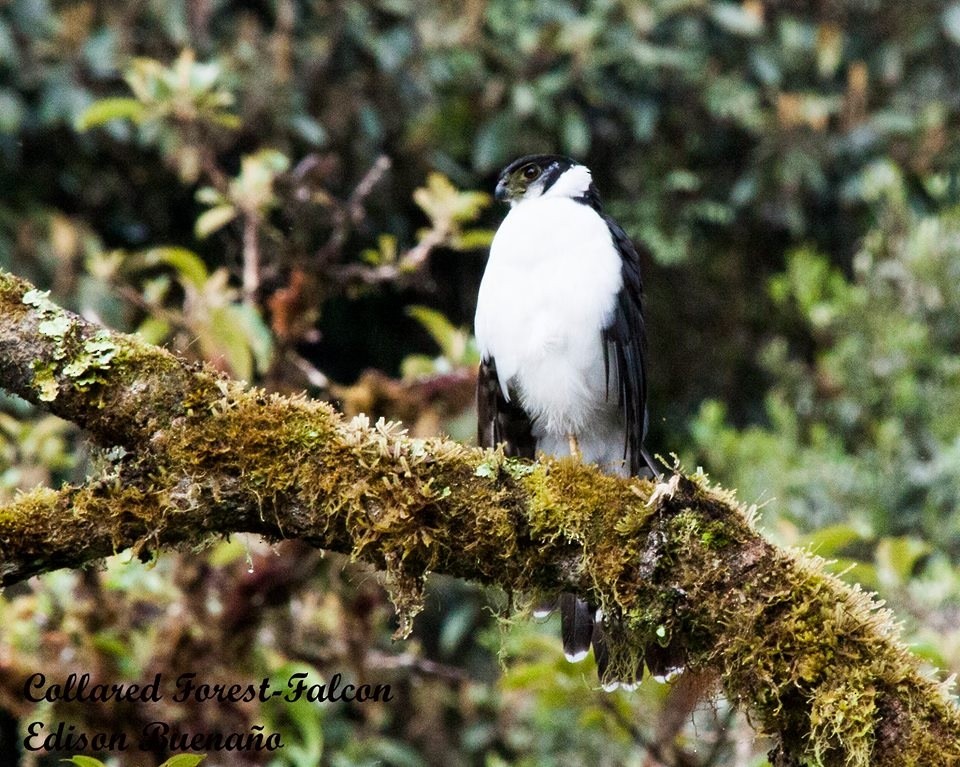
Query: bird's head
x,y
545,175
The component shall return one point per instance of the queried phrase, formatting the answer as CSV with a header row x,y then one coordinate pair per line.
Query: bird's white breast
x,y
549,289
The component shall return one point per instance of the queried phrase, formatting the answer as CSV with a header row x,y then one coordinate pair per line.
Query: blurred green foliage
x,y
859,451
295,192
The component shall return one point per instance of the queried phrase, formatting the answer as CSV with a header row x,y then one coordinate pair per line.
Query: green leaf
x,y
301,722
252,189
229,551
223,338
829,541
188,265
416,366
385,252
258,335
436,324
900,555
211,220
105,110
437,198
472,239
207,195
154,330
84,761
445,205
184,760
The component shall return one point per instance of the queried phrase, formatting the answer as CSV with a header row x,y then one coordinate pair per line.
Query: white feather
x,y
549,289
572,183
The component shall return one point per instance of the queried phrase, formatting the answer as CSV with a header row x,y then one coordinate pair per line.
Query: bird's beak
x,y
501,193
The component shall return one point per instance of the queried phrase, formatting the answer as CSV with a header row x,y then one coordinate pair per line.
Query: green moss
x,y
54,324
91,364
517,468
84,364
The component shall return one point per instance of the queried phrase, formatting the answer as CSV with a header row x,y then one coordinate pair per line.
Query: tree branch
x,y
678,565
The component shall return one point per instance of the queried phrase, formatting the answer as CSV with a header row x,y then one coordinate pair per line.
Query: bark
x,y
677,566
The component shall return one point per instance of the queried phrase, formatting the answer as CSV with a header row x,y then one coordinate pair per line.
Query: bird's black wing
x,y
625,352
499,420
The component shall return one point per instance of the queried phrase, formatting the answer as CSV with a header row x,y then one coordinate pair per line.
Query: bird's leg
x,y
574,445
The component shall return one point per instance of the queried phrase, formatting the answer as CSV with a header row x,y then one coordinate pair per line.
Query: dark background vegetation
x,y
284,189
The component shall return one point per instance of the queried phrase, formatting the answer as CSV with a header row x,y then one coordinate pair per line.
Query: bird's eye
x,y
531,172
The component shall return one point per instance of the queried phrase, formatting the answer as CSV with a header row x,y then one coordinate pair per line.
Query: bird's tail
x,y
653,466
582,626
577,621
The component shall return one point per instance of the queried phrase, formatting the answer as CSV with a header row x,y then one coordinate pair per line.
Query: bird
x,y
562,339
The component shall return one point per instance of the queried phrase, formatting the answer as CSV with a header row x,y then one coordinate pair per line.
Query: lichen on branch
x,y
677,567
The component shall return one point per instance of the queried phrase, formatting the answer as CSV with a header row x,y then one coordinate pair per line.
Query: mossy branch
x,y
817,663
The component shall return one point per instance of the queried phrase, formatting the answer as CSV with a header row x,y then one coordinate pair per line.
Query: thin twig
x,y
362,190
653,749
251,257
409,661
349,214
716,750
